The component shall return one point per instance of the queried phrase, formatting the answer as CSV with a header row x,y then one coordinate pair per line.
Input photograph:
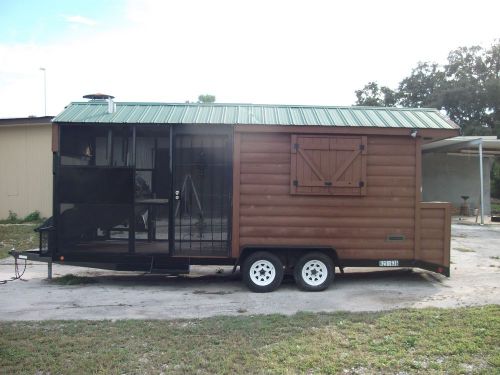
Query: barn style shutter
x,y
328,165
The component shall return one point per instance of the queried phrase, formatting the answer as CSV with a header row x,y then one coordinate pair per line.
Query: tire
x,y
314,272
262,272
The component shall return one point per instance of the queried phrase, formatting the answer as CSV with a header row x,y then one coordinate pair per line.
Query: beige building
x,y
26,166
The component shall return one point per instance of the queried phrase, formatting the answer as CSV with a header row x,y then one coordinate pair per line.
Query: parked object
x,y
276,190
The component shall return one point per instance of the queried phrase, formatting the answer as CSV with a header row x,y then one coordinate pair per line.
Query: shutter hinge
x,y
296,146
328,183
362,147
295,183
361,184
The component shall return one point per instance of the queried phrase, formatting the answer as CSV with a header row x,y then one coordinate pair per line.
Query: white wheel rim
x,y
314,272
262,272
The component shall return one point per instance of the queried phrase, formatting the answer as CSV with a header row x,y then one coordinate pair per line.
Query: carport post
x,y
49,269
481,195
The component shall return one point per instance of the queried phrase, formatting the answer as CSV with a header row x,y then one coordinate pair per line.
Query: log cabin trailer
x,y
274,189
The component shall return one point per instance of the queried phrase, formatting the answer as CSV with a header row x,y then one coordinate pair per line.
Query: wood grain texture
x,y
370,131
357,226
389,225
435,233
418,187
55,138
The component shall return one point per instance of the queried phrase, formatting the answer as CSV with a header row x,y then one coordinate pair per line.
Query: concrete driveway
x,y
475,280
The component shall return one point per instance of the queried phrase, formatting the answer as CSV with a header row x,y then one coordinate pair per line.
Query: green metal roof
x,y
252,114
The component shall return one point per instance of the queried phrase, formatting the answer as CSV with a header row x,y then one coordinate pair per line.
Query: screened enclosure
x,y
142,189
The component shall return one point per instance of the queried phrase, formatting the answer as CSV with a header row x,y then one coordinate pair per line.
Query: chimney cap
x,y
98,96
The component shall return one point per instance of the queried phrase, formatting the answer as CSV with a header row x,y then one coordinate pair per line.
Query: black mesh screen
x,y
202,179
96,185
94,227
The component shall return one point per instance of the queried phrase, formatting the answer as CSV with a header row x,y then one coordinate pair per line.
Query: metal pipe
x,y
481,195
44,89
49,269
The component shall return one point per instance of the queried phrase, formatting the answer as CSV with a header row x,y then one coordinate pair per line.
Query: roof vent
x,y
102,97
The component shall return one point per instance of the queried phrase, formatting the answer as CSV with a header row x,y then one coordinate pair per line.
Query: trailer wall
x,y
377,225
435,233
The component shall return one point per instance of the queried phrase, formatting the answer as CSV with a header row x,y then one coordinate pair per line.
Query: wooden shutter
x,y
328,165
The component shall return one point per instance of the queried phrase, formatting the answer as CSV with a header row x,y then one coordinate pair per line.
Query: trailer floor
x,y
475,280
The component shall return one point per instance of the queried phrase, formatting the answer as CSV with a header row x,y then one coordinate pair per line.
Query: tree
x,y
467,87
206,98
464,94
375,96
422,87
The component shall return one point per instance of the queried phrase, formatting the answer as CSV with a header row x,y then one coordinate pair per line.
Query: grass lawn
x,y
19,236
453,341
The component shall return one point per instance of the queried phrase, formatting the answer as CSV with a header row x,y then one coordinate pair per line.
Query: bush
x,y
14,219
34,216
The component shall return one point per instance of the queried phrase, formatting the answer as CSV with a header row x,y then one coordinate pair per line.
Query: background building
x,y
26,166
450,170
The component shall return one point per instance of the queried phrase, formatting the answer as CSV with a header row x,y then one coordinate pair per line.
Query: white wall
x,y
447,177
25,169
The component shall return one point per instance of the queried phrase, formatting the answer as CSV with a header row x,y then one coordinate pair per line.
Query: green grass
x,y
454,341
495,208
18,236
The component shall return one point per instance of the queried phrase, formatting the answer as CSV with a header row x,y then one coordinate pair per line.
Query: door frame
x,y
189,129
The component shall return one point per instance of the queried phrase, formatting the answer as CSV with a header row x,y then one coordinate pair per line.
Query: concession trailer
x,y
274,189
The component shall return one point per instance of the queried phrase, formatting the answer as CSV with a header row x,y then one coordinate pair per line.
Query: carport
x,y
472,146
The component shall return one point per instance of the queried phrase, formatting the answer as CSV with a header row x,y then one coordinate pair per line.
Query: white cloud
x,y
80,20
262,52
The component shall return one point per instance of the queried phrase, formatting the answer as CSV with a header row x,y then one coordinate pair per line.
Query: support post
x,y
49,269
481,195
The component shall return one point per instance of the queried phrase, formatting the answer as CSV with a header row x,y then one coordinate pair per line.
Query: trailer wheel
x,y
314,272
262,272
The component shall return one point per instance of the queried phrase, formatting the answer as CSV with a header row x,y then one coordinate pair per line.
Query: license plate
x,y
388,263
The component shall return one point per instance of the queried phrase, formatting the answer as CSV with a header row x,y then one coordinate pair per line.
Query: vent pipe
x,y
103,97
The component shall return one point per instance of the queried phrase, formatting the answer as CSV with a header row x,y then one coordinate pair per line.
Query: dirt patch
x,y
217,292
73,280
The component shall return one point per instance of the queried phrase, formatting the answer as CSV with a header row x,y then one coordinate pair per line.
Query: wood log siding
x,y
435,233
357,226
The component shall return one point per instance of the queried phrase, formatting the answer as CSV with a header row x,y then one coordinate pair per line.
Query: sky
x,y
264,52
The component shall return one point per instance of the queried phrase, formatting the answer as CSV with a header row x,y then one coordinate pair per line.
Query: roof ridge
x,y
352,107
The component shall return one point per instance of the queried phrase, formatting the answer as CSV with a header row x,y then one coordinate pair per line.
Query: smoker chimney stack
x,y
101,97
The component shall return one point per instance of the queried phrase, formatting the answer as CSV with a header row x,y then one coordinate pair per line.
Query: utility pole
x,y
44,90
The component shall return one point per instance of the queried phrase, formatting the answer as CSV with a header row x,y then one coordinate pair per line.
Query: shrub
x,y
34,216
12,218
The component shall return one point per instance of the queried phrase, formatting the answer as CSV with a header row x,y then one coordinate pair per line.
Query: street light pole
x,y
44,90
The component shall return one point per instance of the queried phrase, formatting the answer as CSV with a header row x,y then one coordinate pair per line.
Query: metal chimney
x,y
102,97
